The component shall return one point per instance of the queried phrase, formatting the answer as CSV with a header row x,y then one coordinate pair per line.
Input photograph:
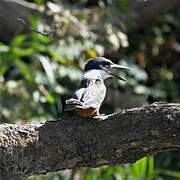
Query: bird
x,y
88,97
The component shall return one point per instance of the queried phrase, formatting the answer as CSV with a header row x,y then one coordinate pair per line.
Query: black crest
x,y
97,63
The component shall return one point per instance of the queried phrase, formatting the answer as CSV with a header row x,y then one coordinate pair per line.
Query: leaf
x,y
18,41
4,48
19,52
113,39
151,172
50,99
48,69
141,89
71,72
175,174
24,69
91,53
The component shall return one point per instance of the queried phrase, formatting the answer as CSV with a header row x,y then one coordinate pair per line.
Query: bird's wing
x,y
74,102
88,95
94,94
79,93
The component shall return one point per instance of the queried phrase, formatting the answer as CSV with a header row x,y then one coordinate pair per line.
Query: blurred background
x,y
44,45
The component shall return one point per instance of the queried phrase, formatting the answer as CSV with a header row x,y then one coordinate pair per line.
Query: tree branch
x,y
73,142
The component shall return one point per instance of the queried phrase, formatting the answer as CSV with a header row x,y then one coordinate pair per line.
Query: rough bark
x,y
72,142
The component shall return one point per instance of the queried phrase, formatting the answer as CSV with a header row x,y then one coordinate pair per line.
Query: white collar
x,y
96,74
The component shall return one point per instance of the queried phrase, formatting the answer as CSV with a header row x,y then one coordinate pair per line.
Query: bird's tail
x,y
72,104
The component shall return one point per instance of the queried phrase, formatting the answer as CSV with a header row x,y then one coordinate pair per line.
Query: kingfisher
x,y
87,99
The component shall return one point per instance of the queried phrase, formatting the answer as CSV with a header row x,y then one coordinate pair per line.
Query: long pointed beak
x,y
119,67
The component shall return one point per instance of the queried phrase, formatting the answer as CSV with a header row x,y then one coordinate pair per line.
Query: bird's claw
x,y
100,117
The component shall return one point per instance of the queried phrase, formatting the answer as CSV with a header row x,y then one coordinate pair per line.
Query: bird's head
x,y
102,68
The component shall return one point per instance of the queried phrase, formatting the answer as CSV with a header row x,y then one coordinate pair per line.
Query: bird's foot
x,y
100,117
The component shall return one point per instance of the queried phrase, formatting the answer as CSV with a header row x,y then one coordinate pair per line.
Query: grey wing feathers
x,y
75,101
94,95
72,104
89,96
79,93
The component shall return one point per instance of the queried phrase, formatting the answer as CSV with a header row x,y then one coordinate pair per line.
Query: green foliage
x,y
141,170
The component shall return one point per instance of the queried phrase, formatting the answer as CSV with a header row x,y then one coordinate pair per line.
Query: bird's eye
x,y
107,66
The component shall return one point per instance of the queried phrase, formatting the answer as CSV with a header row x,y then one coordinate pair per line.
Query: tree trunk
x,y
72,142
9,27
